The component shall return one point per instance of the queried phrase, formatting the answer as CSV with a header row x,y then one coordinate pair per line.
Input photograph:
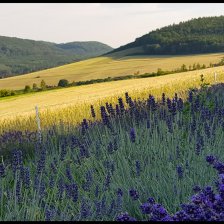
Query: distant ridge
x,y
20,56
201,35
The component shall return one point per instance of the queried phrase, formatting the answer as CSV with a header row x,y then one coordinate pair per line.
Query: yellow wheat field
x,y
71,105
102,67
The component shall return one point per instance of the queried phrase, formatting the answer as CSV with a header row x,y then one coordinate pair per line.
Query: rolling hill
x,y
20,56
201,35
103,67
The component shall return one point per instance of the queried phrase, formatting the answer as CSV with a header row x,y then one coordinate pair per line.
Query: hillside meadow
x,y
116,64
72,104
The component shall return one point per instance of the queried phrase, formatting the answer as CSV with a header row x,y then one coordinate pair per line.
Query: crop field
x,y
72,104
145,160
103,67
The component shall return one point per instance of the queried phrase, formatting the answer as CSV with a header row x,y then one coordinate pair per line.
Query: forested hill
x,y
201,35
20,56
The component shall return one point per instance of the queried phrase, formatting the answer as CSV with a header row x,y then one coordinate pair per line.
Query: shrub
x,y
27,89
35,86
43,85
63,83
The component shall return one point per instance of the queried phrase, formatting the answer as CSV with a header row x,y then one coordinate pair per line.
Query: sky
x,y
115,24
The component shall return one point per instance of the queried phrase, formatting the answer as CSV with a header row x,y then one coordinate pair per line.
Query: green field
x,y
103,67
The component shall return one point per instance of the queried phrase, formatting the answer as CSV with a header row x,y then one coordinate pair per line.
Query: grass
x,y
73,104
110,66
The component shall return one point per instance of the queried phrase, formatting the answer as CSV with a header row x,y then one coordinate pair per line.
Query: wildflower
x,y
84,125
48,215
103,205
180,104
104,116
107,181
85,209
17,160
121,104
210,159
138,167
84,152
148,124
151,103
117,110
163,99
173,107
72,192
119,202
89,180
110,148
2,170
146,208
219,167
151,200
98,209
133,194
175,97
178,152
180,171
18,191
52,182
112,207
169,104
53,168
68,173
132,135
125,217
127,97
97,191
190,96
158,213
61,187
196,188
93,111
27,180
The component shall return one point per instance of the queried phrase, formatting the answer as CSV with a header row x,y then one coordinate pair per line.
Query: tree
x,y
43,85
27,89
35,86
183,67
63,83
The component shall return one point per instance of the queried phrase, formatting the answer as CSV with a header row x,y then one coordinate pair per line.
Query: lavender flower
x,y
210,159
93,111
138,167
85,209
26,178
180,171
196,189
132,135
163,99
133,194
125,217
121,104
2,170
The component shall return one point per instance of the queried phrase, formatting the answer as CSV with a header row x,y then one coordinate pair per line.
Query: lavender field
x,y
146,160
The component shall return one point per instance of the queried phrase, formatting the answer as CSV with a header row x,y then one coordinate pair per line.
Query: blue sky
x,y
112,23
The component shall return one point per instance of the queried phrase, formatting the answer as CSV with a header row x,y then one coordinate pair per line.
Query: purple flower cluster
x,y
205,205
